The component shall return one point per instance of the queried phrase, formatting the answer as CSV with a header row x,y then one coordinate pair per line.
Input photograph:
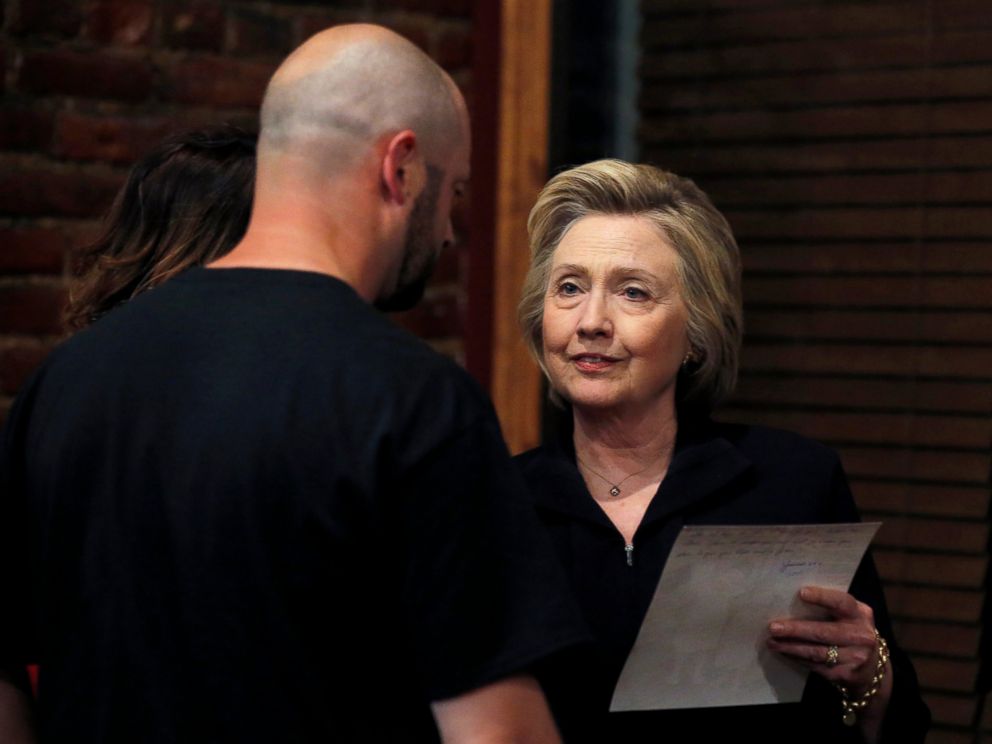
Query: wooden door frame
x,y
511,79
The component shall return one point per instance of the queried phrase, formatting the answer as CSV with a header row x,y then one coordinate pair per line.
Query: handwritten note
x,y
702,643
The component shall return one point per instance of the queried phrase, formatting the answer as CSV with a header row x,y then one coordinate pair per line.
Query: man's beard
x,y
419,251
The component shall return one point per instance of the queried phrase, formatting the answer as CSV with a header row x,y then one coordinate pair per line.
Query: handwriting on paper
x,y
702,643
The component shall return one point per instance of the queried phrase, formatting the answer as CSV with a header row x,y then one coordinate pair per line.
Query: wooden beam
x,y
479,267
524,89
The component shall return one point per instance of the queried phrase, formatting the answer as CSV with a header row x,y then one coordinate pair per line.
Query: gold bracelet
x,y
851,707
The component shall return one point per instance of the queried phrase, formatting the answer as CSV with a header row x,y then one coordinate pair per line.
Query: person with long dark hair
x,y
184,204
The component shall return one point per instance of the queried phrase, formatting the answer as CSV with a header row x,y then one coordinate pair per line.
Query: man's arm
x,y
16,710
511,711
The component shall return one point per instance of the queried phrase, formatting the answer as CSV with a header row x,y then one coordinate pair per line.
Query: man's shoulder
x,y
260,331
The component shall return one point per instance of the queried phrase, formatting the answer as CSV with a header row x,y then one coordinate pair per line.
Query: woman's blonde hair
x,y
709,269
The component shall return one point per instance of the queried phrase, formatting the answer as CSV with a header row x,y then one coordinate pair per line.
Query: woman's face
x,y
614,319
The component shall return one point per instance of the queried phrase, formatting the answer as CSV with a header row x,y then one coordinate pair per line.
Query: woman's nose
x,y
595,319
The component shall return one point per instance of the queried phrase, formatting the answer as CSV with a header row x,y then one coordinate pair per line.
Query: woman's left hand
x,y
850,630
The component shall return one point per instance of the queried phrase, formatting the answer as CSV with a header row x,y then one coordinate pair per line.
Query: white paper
x,y
702,642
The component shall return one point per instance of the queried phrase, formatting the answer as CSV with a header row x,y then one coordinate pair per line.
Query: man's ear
x,y
403,171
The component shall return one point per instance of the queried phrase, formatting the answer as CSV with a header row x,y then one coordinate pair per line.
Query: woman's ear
x,y
403,170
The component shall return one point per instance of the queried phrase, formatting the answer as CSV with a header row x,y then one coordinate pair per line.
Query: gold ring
x,y
832,656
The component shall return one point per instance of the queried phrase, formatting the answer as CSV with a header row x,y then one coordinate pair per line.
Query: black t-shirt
x,y
245,507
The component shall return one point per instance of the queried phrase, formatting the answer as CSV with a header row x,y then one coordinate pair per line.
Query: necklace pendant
x,y
615,491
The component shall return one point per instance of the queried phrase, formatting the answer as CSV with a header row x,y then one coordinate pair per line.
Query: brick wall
x,y
850,144
90,85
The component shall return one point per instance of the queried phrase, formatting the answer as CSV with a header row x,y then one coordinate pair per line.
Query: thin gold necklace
x,y
614,487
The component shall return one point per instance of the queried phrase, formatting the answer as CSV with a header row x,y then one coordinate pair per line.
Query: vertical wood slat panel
x,y
523,134
850,145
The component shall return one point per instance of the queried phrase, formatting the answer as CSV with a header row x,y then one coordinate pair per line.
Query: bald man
x,y
245,507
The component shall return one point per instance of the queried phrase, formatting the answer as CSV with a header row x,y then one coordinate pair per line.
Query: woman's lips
x,y
593,362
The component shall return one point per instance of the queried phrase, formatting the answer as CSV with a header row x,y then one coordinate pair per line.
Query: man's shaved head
x,y
346,86
363,150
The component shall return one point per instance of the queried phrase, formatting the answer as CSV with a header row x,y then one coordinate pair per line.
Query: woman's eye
x,y
568,289
634,293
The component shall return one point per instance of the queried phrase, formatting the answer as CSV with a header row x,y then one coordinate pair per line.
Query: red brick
x,y
25,128
123,22
882,258
87,75
33,308
942,674
952,709
38,192
117,139
945,639
215,81
453,49
82,233
254,32
316,22
51,18
850,427
922,498
247,120
935,604
935,570
937,292
194,24
32,250
415,30
937,735
440,7
784,23
961,362
18,362
933,534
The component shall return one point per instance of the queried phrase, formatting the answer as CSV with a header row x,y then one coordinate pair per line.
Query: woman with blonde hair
x,y
632,308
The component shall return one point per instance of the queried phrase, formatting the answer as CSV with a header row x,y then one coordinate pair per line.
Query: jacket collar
x,y
704,461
